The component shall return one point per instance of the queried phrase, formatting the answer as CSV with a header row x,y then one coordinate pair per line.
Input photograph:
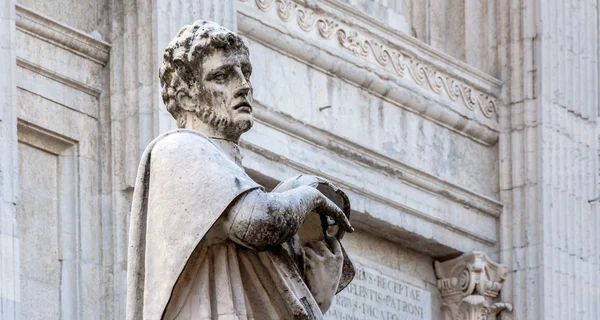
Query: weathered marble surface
x,y
469,286
97,104
316,132
206,241
376,295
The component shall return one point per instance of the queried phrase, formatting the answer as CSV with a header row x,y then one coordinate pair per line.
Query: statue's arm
x,y
261,220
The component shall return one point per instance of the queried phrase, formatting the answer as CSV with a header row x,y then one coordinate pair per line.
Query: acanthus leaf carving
x,y
468,286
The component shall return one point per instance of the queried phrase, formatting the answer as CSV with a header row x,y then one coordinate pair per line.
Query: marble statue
x,y
206,241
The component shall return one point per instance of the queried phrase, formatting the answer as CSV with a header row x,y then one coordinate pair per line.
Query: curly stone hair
x,y
182,62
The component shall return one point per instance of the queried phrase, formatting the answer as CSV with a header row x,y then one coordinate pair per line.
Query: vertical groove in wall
x,y
594,250
594,254
174,18
557,266
147,73
562,263
591,166
579,124
116,114
132,103
565,271
505,155
9,239
554,158
130,74
552,234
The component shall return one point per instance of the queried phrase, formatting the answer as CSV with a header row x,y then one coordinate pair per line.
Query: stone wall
x,y
453,126
549,158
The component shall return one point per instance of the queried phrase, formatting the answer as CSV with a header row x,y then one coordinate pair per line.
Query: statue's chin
x,y
246,124
234,130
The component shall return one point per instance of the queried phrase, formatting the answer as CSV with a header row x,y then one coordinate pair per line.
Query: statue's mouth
x,y
243,107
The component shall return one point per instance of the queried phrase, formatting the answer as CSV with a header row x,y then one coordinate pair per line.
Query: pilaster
x,y
9,239
469,286
549,157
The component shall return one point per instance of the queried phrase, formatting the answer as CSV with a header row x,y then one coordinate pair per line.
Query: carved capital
x,y
468,285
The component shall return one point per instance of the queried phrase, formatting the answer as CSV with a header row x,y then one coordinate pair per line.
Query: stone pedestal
x,y
468,285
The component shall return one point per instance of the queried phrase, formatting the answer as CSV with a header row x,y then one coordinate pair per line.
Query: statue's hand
x,y
324,262
328,208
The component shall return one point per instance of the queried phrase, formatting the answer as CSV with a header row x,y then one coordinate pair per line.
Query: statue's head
x,y
205,76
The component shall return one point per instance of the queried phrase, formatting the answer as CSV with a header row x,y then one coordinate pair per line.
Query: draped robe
x,y
182,264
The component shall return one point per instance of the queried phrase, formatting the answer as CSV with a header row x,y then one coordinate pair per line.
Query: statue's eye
x,y
220,77
247,71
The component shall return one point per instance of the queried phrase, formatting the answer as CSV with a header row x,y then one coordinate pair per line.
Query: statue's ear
x,y
185,100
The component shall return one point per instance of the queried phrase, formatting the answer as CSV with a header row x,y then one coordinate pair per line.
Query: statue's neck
x,y
194,123
231,149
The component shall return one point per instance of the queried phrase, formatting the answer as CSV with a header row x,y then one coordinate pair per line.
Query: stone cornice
x,y
404,71
377,161
391,230
61,35
372,218
94,92
474,77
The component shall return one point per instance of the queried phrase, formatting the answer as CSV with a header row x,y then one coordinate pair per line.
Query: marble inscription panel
x,y
374,295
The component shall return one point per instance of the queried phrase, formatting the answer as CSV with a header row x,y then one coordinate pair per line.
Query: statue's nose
x,y
243,86
242,91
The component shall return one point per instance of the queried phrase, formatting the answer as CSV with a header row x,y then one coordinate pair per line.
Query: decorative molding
x,y
479,79
77,85
468,285
377,161
45,139
477,206
403,63
61,35
268,29
281,160
67,157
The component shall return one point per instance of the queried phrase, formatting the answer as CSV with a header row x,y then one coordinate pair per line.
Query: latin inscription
x,y
373,295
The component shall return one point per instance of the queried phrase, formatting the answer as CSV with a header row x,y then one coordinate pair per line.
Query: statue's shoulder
x,y
180,141
188,151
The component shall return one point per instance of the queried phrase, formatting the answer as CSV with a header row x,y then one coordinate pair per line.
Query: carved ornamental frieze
x,y
401,62
469,286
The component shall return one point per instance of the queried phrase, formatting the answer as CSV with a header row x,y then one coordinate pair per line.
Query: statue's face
x,y
226,92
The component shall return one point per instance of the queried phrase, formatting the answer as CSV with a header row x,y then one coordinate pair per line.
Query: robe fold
x,y
182,263
224,280
184,184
